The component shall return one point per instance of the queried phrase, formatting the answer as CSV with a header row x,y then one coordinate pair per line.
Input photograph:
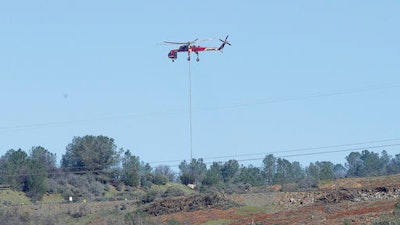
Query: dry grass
x,y
10,197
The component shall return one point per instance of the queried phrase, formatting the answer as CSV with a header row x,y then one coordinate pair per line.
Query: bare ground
x,y
352,201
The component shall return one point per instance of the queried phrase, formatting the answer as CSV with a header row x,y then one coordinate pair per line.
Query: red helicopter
x,y
189,47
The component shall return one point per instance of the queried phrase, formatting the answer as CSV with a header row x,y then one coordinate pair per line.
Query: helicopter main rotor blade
x,y
191,42
206,39
175,43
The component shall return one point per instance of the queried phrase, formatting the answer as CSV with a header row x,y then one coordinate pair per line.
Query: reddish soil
x,y
365,213
324,214
353,201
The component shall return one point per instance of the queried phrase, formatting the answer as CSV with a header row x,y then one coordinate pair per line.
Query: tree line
x,y
90,161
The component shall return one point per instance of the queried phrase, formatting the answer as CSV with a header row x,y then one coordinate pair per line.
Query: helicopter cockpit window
x,y
183,48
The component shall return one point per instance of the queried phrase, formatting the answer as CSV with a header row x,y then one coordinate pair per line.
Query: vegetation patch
x,y
251,210
52,198
11,197
218,222
325,183
185,189
187,204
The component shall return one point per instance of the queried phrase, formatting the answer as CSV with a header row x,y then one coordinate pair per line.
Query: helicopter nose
x,y
172,54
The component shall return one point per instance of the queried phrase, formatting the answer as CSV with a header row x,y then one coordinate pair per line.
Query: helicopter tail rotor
x,y
223,43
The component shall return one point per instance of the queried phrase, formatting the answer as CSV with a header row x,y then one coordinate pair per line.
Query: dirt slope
x,y
353,201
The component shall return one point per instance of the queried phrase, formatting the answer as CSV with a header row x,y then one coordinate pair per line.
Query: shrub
x,y
290,187
187,179
151,195
308,182
159,179
97,188
231,188
80,212
173,192
76,186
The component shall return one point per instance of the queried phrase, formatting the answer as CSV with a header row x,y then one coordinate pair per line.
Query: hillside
x,y
344,201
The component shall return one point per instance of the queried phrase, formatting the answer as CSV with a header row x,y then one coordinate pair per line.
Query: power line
x,y
326,152
99,119
288,151
304,97
181,111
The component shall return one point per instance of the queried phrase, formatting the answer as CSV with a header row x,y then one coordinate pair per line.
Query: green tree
x,y
372,163
269,170
250,175
393,166
355,165
312,171
194,172
130,173
385,160
15,168
24,173
45,158
165,171
187,178
297,172
159,179
287,172
146,175
284,171
367,163
90,153
325,170
213,174
36,181
320,170
229,170
339,171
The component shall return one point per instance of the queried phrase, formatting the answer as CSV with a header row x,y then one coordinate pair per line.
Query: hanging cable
x,y
190,112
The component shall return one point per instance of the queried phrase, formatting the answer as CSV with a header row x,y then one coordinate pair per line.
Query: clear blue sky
x,y
298,75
